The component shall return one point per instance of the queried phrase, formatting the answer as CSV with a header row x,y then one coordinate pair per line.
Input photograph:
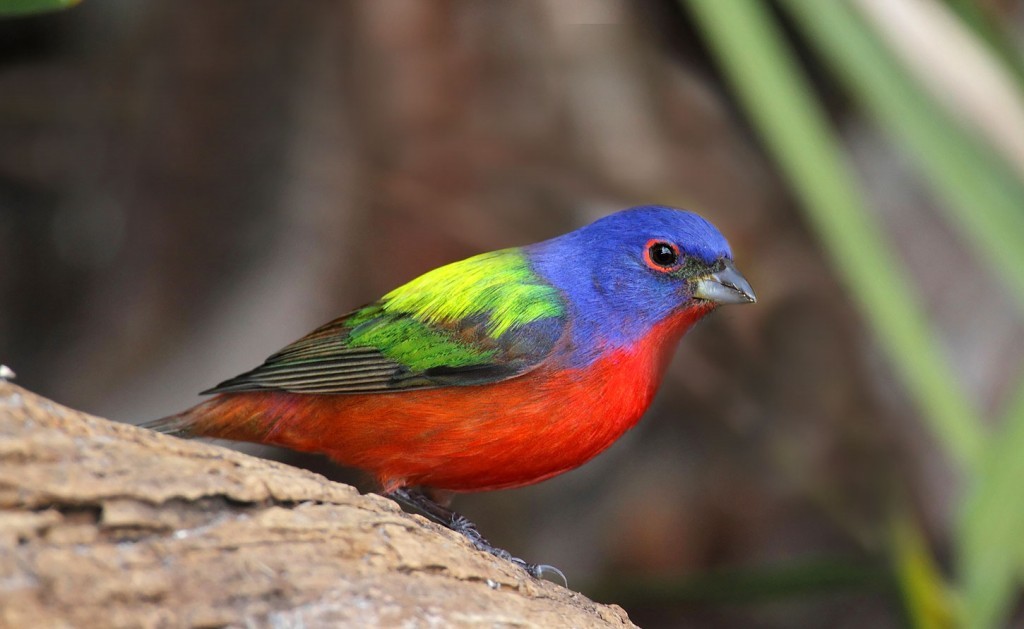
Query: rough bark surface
x,y
108,525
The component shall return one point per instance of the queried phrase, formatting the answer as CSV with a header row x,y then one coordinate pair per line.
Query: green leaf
x,y
986,200
778,100
978,190
991,33
928,601
991,525
28,7
981,195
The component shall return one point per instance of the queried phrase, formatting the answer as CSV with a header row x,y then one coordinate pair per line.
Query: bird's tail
x,y
179,425
237,416
189,423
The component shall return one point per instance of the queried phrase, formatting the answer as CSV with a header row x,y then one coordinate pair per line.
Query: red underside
x,y
476,438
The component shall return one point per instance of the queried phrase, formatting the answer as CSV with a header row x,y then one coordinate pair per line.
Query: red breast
x,y
477,438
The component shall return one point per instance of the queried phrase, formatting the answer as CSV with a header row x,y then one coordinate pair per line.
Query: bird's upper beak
x,y
725,286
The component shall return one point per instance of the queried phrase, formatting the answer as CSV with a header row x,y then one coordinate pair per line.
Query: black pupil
x,y
663,254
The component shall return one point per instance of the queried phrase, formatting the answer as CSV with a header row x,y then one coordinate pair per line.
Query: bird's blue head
x,y
629,271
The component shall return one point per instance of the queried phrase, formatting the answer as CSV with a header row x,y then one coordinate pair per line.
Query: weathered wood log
x,y
109,525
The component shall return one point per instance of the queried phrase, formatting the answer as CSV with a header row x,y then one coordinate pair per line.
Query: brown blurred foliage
x,y
186,186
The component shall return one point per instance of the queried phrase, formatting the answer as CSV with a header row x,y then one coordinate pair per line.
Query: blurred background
x,y
186,186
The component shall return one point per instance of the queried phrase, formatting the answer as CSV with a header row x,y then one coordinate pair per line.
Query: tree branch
x,y
106,524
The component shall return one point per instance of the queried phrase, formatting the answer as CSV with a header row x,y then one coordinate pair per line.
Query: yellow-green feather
x,y
410,325
466,314
416,346
500,285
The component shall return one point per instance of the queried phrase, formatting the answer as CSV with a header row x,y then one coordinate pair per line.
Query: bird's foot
x,y
541,571
461,524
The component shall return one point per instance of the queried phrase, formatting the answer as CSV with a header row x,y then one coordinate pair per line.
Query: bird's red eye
x,y
661,255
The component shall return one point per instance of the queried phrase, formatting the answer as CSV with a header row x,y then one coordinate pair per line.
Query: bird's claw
x,y
461,524
537,571
542,571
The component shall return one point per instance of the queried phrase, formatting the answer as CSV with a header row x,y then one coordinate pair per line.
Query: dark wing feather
x,y
326,361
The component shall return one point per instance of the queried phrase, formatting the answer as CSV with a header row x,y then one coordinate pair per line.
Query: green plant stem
x,y
978,190
927,599
10,8
749,47
991,33
989,552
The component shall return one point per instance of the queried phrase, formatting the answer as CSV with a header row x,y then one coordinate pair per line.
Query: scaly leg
x,y
460,524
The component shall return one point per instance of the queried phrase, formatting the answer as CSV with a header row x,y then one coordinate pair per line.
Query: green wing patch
x,y
484,319
499,284
415,344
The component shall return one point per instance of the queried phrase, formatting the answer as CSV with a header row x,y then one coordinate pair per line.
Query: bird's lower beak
x,y
726,286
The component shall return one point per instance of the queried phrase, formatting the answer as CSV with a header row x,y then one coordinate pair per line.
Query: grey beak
x,y
727,286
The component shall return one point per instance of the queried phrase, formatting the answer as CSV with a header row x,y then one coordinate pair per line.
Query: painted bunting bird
x,y
497,371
